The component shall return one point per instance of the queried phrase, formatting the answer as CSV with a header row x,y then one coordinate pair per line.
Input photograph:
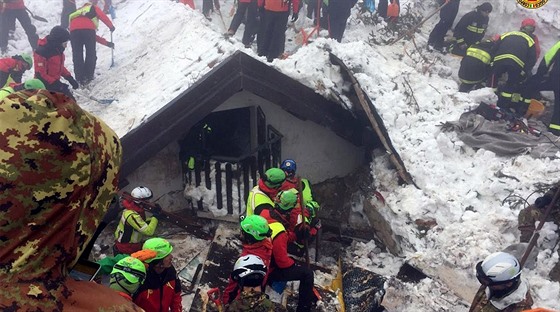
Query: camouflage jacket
x,y
518,300
254,302
58,173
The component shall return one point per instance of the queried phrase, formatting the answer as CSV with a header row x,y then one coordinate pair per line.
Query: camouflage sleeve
x,y
526,222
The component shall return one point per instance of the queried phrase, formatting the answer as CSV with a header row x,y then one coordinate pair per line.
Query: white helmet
x,y
497,268
249,268
141,192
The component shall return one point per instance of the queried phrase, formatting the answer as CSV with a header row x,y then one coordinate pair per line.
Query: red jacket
x,y
49,62
160,293
12,5
280,242
263,249
84,22
11,67
279,5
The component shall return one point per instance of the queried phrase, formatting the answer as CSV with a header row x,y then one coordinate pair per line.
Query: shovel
x,y
41,19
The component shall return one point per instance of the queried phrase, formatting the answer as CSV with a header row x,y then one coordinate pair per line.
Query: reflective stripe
x,y
479,54
530,40
553,126
465,81
475,29
510,56
515,97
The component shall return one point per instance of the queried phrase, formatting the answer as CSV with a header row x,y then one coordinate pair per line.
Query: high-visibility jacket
x,y
82,19
259,197
518,47
475,66
471,28
132,227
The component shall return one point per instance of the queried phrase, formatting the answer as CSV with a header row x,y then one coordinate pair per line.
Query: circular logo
x,y
532,4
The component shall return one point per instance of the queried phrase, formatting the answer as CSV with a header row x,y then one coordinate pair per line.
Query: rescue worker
x,y
515,56
9,12
476,65
272,34
265,191
250,272
246,9
447,15
49,61
283,268
12,68
255,236
63,165
305,200
133,224
68,6
31,84
471,28
502,288
338,14
127,276
161,291
289,166
533,213
548,78
83,24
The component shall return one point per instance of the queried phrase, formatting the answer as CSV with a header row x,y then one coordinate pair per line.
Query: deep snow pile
x,y
162,48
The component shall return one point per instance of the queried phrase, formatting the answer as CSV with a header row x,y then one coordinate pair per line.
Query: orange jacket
x,y
279,5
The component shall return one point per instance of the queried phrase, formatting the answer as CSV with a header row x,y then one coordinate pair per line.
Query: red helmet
x,y
528,22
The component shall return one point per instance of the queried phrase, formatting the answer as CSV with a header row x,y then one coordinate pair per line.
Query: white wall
x,y
319,152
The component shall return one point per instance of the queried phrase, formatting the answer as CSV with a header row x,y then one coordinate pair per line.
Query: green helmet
x,y
287,200
274,177
161,246
34,84
28,59
127,275
256,226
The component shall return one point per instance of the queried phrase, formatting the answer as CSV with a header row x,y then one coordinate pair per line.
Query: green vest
x,y
551,53
256,198
132,228
83,11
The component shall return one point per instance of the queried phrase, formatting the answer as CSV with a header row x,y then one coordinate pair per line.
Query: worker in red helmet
x,y
516,54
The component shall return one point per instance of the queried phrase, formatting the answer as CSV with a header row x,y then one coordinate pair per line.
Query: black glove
x,y
543,201
294,17
112,28
73,82
302,231
111,45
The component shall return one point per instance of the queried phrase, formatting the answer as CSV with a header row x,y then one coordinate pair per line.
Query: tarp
x,y
477,132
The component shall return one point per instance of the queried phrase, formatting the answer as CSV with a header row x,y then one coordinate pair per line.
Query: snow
x,y
163,47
